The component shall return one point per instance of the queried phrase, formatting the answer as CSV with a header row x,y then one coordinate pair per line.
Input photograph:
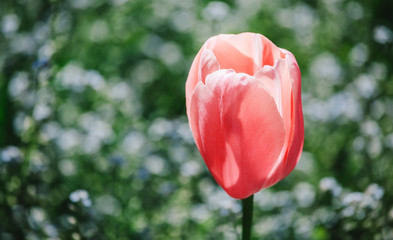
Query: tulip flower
x,y
244,108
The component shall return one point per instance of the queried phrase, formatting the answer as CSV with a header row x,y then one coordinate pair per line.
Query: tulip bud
x,y
243,98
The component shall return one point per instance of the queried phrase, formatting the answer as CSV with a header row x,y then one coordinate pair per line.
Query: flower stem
x,y
248,204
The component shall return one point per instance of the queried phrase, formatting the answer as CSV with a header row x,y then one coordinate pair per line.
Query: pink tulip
x,y
244,108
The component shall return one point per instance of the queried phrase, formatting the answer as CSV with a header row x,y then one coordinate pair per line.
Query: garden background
x,y
95,144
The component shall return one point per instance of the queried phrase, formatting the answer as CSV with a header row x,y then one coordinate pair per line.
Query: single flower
x,y
244,108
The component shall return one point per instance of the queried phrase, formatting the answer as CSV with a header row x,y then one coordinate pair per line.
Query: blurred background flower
x,y
94,143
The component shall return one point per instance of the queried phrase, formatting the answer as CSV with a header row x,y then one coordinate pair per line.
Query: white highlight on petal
x,y
208,64
230,167
258,52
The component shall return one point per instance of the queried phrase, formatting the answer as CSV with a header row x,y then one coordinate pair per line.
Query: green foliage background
x,y
94,142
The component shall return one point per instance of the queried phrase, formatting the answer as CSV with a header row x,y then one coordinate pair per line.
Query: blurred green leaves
x,y
94,143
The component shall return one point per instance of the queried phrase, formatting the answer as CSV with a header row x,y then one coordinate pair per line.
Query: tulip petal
x,y
208,64
270,52
239,139
204,64
244,53
297,135
234,52
278,82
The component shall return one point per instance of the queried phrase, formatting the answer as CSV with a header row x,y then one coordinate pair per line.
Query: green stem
x,y
248,204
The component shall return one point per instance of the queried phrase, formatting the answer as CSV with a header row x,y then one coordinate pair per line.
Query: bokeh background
x,y
95,144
